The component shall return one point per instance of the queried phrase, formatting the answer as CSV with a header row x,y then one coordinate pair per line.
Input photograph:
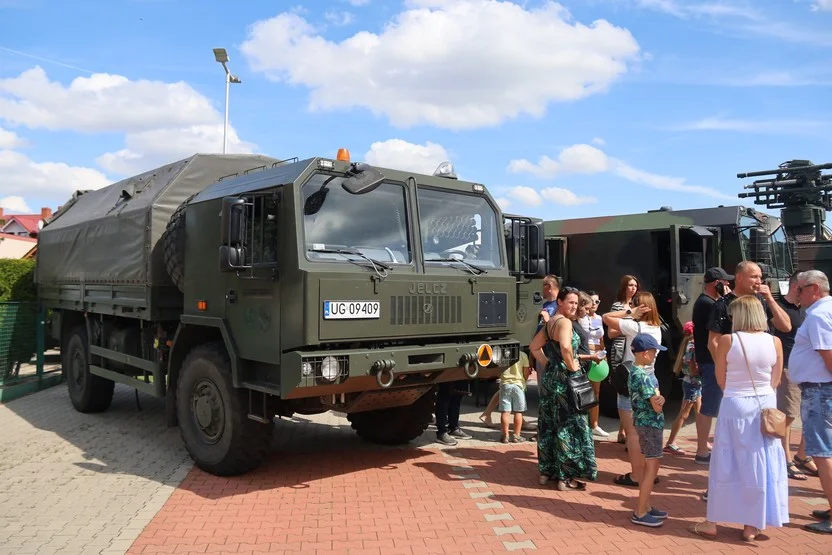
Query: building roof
x,y
28,221
14,246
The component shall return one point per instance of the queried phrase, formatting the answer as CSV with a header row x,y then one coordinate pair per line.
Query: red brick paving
x,y
406,501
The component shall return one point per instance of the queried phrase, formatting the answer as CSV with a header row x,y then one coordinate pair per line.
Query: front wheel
x,y
213,420
397,425
88,392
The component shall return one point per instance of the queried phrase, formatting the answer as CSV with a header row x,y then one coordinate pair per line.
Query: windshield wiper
x,y
351,252
476,270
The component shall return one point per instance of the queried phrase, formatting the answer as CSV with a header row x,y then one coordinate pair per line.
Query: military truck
x,y
803,193
668,251
240,287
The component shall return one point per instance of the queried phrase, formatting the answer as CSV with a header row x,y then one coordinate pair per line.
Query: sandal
x,y
702,534
673,449
794,473
758,536
627,480
486,419
803,464
564,485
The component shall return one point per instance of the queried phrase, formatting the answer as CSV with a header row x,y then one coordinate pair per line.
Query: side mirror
x,y
231,258
536,250
233,221
537,268
365,178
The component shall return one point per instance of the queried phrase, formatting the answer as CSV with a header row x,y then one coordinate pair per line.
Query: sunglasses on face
x,y
596,302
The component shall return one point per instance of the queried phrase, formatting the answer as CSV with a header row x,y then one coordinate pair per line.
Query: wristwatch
x,y
629,312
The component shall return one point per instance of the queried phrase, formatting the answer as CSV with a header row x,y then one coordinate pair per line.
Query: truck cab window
x,y
374,224
459,226
263,230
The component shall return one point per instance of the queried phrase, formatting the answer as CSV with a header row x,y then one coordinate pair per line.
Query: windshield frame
x,y
498,229
307,246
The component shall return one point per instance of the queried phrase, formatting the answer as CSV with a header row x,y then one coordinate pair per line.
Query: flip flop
x,y
695,530
803,464
794,473
486,420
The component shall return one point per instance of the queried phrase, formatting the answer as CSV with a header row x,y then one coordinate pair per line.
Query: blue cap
x,y
643,342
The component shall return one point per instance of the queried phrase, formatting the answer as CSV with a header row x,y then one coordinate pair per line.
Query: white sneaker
x,y
598,432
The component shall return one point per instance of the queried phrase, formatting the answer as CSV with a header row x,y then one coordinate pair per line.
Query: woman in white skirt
x,y
747,482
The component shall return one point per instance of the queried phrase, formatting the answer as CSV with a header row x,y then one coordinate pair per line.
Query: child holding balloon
x,y
598,369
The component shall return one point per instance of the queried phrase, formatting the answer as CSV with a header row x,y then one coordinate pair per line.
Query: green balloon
x,y
598,371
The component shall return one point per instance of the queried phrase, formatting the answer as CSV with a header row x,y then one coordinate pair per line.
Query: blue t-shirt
x,y
549,306
644,385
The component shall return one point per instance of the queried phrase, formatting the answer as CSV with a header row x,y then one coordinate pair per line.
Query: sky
x,y
562,110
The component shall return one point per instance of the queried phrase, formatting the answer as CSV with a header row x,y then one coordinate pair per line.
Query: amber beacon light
x,y
343,155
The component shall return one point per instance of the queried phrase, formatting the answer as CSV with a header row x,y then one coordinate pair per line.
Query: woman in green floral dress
x,y
565,447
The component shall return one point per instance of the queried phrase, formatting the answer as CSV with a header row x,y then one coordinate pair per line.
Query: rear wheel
x,y
213,420
397,425
88,393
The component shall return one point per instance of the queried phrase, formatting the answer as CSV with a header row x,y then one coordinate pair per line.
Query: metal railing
x,y
22,345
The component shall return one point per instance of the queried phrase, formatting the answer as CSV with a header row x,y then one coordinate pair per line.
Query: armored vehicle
x,y
240,287
803,194
667,250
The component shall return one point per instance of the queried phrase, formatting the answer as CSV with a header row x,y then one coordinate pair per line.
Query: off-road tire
x,y
238,444
173,246
397,425
88,393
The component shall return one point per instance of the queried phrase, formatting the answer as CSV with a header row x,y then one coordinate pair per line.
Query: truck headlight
x,y
497,356
329,369
307,370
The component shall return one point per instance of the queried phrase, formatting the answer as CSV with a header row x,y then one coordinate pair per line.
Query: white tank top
x,y
759,348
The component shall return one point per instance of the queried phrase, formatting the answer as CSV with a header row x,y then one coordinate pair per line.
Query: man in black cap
x,y
717,284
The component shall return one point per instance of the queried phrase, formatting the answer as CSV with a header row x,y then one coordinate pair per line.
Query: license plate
x,y
351,310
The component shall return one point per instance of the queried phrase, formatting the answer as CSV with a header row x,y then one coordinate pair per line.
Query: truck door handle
x,y
231,296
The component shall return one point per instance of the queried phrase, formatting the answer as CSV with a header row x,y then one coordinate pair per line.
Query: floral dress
x,y
564,440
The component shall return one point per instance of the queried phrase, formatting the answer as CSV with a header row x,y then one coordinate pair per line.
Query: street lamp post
x,y
222,57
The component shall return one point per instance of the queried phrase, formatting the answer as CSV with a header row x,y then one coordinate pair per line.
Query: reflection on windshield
x,y
374,224
771,252
459,226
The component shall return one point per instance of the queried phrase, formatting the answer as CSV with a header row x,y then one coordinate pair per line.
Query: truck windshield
x,y
458,226
771,252
374,224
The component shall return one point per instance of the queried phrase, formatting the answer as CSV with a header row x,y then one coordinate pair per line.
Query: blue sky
x,y
582,108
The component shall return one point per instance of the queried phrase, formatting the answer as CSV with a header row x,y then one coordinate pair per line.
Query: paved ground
x,y
122,482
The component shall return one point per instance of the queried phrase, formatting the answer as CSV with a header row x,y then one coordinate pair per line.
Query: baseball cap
x,y
713,274
643,342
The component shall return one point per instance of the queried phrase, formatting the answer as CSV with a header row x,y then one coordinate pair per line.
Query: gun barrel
x,y
814,167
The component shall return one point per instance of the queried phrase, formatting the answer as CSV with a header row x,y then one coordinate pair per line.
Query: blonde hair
x,y
747,314
584,299
646,298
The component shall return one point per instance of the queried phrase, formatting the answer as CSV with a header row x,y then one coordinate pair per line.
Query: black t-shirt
x,y
796,315
720,321
701,318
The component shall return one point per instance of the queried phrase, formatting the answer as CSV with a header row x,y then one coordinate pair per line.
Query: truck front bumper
x,y
313,373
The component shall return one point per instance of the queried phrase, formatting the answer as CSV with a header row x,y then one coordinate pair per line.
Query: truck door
x,y
556,257
693,250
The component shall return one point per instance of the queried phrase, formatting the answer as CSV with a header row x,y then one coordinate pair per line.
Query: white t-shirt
x,y
631,328
596,330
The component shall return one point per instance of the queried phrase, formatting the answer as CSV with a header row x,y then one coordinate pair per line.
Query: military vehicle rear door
x,y
556,256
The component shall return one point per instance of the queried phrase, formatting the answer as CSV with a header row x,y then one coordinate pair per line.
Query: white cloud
x,y
10,139
776,126
503,203
456,64
589,160
599,141
162,122
526,195
565,197
148,149
15,204
822,5
100,102
402,155
579,158
22,176
339,18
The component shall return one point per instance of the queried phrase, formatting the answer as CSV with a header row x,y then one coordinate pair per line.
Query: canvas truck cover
x,y
111,235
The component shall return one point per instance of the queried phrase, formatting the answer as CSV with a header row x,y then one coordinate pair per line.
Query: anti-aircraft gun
x,y
803,194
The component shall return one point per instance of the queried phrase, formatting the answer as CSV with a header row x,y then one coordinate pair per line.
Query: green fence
x,y
22,327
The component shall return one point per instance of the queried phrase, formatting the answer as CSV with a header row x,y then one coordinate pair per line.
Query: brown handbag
x,y
772,421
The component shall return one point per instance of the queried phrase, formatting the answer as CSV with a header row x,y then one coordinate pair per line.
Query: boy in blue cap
x,y
649,423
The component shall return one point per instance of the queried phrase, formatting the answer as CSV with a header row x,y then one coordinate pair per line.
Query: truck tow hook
x,y
384,373
471,369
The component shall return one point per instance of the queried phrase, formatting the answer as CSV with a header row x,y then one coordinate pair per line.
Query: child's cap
x,y
688,328
643,342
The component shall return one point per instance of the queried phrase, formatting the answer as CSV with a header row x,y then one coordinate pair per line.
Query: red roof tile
x,y
28,221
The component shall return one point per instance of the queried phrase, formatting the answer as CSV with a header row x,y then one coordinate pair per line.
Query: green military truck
x,y
240,287
667,250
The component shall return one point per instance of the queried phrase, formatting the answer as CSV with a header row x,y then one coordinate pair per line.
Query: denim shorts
x,y
816,414
624,404
512,398
711,392
651,441
691,390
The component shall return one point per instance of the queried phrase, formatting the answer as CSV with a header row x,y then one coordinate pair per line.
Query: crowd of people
x,y
750,361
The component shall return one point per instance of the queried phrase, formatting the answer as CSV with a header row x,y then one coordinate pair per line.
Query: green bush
x,y
17,280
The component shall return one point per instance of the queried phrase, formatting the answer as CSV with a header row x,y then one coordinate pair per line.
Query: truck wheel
x,y
213,420
397,425
173,246
88,393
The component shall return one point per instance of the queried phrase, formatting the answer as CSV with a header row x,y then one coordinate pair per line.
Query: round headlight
x,y
329,369
497,356
306,369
